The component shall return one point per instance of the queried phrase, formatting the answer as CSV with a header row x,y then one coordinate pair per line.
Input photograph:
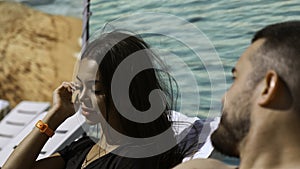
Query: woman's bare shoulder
x,y
204,164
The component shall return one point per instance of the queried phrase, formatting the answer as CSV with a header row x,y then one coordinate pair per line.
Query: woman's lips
x,y
86,111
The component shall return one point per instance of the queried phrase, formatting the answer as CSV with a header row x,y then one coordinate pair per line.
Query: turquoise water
x,y
229,25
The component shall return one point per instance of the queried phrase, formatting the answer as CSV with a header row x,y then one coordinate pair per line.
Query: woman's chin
x,y
91,122
91,118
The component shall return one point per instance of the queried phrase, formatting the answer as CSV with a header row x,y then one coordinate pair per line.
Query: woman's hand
x,y
62,102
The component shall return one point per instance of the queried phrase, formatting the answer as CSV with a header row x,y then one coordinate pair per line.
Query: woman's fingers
x,y
73,86
62,99
68,86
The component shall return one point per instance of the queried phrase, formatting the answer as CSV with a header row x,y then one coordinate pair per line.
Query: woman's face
x,y
91,96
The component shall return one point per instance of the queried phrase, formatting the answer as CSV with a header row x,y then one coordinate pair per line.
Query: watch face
x,y
39,124
44,128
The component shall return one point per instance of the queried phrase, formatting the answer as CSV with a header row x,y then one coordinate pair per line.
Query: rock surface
x,y
36,52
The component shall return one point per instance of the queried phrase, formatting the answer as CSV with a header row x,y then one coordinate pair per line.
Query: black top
x,y
75,154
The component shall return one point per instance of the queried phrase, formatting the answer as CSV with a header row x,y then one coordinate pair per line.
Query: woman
x,y
105,67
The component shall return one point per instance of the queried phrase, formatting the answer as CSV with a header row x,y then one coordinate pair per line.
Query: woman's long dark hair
x,y
111,49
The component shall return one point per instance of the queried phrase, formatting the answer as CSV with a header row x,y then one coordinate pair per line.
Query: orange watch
x,y
44,128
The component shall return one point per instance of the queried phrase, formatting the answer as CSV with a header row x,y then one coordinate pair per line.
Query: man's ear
x,y
270,88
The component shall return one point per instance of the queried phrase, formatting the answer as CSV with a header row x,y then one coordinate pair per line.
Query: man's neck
x,y
274,145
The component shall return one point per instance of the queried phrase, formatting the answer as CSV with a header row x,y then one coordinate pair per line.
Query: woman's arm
x,y
25,154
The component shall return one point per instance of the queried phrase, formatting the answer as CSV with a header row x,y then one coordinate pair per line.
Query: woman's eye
x,y
98,92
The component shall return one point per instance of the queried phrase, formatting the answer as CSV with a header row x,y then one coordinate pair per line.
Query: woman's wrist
x,y
54,118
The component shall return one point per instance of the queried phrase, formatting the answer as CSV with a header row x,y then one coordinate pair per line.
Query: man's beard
x,y
232,131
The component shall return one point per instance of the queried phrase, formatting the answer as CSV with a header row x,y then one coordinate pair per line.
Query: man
x,y
261,111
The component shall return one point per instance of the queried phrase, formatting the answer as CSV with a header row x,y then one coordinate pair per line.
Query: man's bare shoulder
x,y
204,164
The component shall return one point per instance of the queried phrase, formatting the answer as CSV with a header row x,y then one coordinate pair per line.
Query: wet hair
x,y
281,53
109,50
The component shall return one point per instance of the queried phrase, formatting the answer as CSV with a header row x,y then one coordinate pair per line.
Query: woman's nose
x,y
85,99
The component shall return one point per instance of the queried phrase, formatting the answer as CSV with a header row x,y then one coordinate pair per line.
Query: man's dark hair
x,y
280,52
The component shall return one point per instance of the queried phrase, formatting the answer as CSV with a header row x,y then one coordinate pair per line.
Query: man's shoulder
x,y
204,164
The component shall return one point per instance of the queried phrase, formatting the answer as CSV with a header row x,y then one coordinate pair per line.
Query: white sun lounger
x,y
64,135
208,127
206,149
18,118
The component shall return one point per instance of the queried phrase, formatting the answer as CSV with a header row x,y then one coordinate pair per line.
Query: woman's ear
x,y
270,88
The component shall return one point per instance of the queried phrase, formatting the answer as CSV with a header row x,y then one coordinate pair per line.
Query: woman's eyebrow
x,y
89,81
94,81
